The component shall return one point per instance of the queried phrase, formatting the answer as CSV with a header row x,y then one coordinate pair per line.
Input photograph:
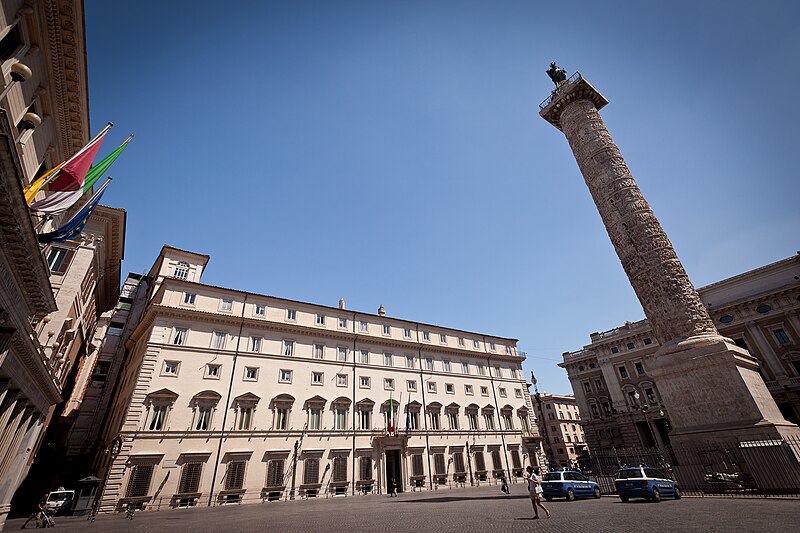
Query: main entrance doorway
x,y
393,471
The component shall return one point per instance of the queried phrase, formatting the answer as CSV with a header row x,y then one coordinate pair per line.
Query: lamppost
x,y
644,408
469,463
548,449
19,73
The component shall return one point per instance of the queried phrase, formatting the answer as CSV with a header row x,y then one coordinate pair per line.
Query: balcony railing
x,y
549,99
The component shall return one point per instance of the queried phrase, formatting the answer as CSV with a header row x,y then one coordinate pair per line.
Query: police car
x,y
568,484
645,482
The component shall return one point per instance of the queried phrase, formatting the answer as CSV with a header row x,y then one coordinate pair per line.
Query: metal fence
x,y
757,468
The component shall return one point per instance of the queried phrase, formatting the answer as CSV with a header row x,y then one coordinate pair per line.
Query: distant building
x,y
227,396
758,309
559,424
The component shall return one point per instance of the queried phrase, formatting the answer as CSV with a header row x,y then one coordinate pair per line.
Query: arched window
x,y
434,409
158,404
204,404
182,270
340,407
314,407
281,406
365,408
245,406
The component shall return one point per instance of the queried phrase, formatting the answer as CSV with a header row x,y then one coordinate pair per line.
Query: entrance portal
x,y
393,471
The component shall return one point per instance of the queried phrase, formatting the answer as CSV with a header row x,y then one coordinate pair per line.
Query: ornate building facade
x,y
228,396
559,423
49,297
619,400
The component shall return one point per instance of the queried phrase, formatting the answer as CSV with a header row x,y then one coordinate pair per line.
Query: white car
x,y
60,500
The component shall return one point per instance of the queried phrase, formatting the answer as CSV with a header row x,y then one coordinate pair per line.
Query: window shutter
x,y
234,478
438,461
416,465
190,478
311,471
139,482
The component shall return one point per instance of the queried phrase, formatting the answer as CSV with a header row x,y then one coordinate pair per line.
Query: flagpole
x,y
95,195
79,152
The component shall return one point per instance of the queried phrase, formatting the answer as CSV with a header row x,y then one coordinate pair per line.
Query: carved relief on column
x,y
668,297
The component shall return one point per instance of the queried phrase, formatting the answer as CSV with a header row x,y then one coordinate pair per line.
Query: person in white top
x,y
535,491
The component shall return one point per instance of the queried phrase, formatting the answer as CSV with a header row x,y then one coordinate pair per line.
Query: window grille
x,y
234,477
275,473
496,463
515,459
458,463
311,471
339,469
139,482
190,478
438,463
416,465
480,465
366,468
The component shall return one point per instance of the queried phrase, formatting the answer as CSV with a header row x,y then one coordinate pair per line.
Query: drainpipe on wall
x,y
496,406
227,401
353,474
424,417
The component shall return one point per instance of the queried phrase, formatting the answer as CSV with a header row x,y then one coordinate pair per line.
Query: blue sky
x,y
392,153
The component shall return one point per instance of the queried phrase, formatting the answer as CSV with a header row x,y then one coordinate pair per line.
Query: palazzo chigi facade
x,y
228,396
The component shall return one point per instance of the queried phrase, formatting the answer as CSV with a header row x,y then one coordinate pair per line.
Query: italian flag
x,y
72,179
391,414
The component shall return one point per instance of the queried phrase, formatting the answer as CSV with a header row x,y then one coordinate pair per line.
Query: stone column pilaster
x,y
770,357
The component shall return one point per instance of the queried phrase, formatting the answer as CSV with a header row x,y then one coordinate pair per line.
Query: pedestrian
x,y
535,491
504,486
38,515
392,488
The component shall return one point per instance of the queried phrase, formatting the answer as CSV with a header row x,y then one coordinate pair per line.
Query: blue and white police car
x,y
645,482
568,484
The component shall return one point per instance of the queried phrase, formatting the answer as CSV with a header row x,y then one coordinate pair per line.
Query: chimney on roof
x,y
381,310
341,303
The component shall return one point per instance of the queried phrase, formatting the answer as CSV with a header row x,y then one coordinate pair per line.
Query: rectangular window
x,y
234,475
428,364
631,346
484,391
320,320
365,357
341,418
446,365
488,419
452,420
623,372
181,270
115,328
314,417
639,368
515,459
407,333
285,376
343,323
481,370
464,367
492,346
171,367
316,378
782,337
365,418
508,350
218,340
648,341
341,380
435,420
212,371
413,419
288,347
409,361
364,382
468,390
59,259
449,388
496,463
388,384
203,418
438,463
475,344
255,344
282,418
498,372
387,359
417,468
188,298
190,478
180,336
614,349
250,373
411,385
243,421
341,354
227,305
311,471
442,338
518,393
587,387
473,421
365,470
426,336
275,473
158,417
261,310
387,330
432,386
291,314
363,326
139,481
502,392
319,351
461,341
339,469
598,384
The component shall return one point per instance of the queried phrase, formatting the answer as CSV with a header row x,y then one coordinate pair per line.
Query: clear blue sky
x,y
392,153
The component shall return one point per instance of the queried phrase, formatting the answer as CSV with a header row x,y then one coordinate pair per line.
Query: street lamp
x,y
19,72
644,408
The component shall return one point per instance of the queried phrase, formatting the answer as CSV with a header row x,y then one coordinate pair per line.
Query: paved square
x,y
457,510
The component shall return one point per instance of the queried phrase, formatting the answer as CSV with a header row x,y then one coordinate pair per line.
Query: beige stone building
x,y
559,422
49,296
228,396
758,309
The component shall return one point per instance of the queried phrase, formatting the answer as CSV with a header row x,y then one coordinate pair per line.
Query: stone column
x,y
771,359
709,385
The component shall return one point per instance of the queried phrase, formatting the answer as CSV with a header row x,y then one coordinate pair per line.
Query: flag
x,y
73,228
67,195
32,189
408,414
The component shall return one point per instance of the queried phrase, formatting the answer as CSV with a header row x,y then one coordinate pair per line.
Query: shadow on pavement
x,y
447,499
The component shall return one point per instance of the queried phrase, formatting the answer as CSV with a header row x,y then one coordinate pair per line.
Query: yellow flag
x,y
32,189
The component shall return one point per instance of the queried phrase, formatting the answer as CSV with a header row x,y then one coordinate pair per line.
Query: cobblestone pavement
x,y
457,510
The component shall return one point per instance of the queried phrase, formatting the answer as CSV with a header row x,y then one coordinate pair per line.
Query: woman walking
x,y
535,491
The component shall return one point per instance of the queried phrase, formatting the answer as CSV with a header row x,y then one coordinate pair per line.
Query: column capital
x,y
575,88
